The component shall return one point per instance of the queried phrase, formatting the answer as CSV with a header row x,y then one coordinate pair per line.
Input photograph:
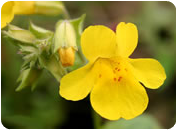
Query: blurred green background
x,y
44,108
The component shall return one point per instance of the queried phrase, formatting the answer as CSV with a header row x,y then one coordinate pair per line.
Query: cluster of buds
x,y
41,48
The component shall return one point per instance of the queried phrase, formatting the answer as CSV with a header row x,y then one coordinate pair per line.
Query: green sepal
x,y
30,54
78,23
78,27
39,32
29,77
53,66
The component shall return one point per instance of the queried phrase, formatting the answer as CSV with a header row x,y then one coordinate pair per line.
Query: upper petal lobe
x,y
98,41
127,39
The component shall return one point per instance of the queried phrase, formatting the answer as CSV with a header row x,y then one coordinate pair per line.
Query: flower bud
x,y
29,77
19,34
67,56
65,42
50,7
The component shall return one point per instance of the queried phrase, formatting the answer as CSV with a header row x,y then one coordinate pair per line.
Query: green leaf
x,y
141,122
28,77
39,32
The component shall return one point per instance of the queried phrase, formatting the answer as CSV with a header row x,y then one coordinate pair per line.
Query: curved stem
x,y
66,14
96,120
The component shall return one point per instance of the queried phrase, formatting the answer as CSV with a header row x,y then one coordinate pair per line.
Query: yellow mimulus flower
x,y
7,13
111,77
10,8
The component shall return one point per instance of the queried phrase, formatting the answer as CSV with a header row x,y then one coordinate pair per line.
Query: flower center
x,y
112,69
119,68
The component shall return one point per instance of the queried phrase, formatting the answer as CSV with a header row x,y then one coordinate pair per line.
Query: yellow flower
x,y
10,8
111,77
7,13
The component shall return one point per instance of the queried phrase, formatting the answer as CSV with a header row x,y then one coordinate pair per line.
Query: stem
x,y
66,14
63,70
96,120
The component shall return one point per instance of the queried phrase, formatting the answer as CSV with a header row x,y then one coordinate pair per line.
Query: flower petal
x,y
98,41
77,84
24,7
113,99
148,71
7,13
127,39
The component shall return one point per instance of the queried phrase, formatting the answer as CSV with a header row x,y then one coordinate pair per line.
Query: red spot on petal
x,y
100,75
118,70
114,79
119,78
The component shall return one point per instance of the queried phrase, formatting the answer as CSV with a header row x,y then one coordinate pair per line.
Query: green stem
x,y
54,66
96,120
66,14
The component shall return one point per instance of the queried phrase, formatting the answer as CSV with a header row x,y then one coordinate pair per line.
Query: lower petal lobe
x,y
117,94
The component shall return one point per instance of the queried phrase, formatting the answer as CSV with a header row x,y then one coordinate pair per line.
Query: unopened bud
x,y
19,34
65,42
39,7
67,56
50,7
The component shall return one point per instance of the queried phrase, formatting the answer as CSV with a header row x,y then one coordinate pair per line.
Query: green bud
x,y
53,66
50,8
65,42
29,77
16,33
